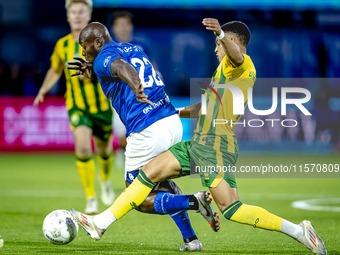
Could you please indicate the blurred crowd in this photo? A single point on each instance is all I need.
(283, 43)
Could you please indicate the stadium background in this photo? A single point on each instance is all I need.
(292, 39)
(289, 39)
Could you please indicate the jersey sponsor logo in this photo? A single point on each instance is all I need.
(156, 104)
(106, 61)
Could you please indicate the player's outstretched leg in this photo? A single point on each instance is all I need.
(130, 199)
(137, 192)
(159, 169)
(232, 209)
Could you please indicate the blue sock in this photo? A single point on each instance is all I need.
(166, 203)
(182, 221)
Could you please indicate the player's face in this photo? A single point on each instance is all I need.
(78, 16)
(219, 50)
(122, 29)
(89, 51)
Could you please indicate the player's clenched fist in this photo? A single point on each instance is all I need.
(213, 25)
(82, 66)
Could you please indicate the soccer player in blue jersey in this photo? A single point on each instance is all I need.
(152, 125)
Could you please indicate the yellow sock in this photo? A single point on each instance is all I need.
(105, 165)
(252, 215)
(86, 169)
(132, 196)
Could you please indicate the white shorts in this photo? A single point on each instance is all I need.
(145, 145)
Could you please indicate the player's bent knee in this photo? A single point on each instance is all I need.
(164, 166)
(83, 150)
(104, 149)
(104, 152)
(224, 205)
(169, 186)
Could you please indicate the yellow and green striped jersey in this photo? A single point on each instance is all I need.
(206, 132)
(80, 93)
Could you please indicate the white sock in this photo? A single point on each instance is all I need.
(104, 219)
(291, 229)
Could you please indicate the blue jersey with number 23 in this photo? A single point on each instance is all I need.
(135, 116)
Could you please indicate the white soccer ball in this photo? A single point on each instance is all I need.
(59, 227)
(1, 242)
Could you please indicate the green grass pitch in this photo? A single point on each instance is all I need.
(33, 185)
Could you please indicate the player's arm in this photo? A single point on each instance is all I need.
(231, 49)
(50, 80)
(190, 112)
(123, 70)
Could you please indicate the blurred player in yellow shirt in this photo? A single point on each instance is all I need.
(89, 111)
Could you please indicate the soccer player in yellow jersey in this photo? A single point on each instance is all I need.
(212, 145)
(90, 113)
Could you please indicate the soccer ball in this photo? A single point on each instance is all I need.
(59, 227)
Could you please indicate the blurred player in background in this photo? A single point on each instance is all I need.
(211, 145)
(90, 113)
(122, 30)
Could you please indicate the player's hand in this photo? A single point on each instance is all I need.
(141, 97)
(38, 99)
(82, 66)
(213, 25)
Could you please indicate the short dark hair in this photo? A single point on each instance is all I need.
(240, 29)
(121, 14)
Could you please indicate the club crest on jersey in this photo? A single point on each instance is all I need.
(106, 61)
(75, 118)
(209, 93)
